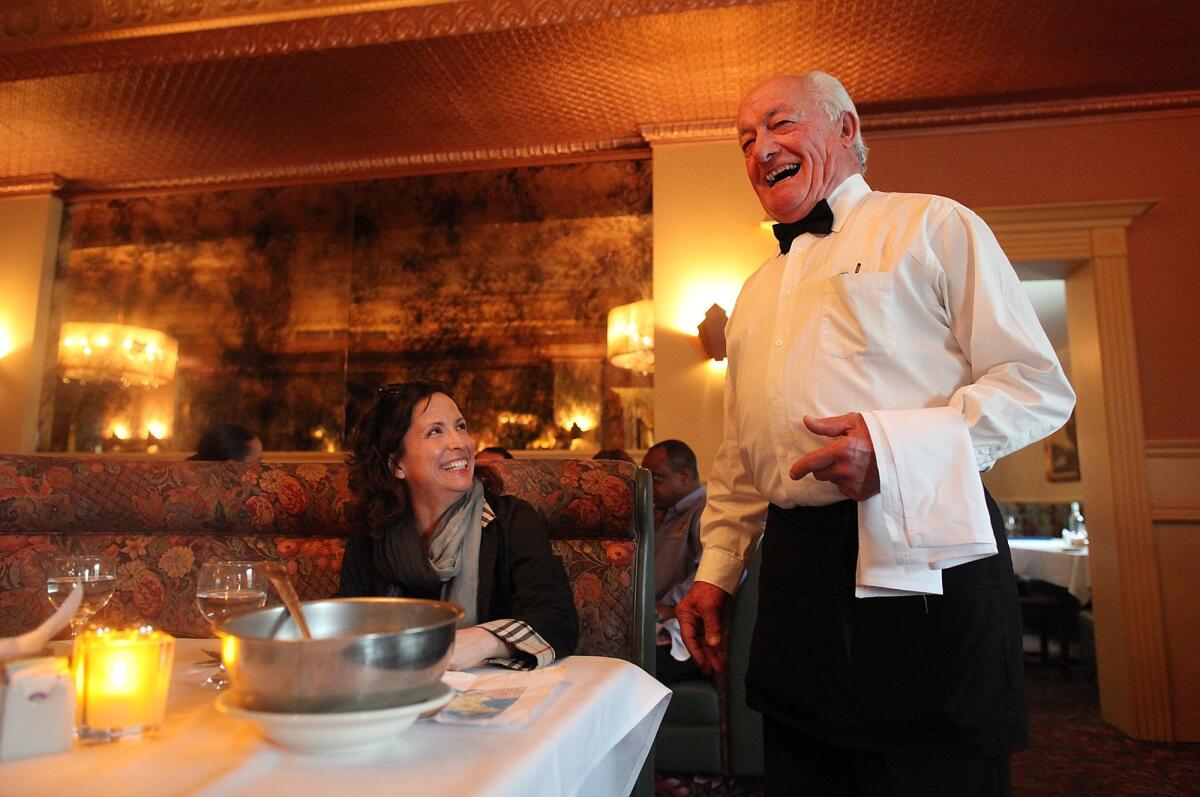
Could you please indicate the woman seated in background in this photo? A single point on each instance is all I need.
(226, 442)
(429, 528)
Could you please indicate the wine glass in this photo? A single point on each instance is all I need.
(97, 575)
(227, 589)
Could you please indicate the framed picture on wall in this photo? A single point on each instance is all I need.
(1062, 454)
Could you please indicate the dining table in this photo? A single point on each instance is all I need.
(1053, 560)
(591, 736)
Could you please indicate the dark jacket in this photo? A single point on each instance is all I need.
(520, 578)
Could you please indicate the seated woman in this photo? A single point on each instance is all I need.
(430, 528)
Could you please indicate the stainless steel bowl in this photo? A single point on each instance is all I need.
(366, 653)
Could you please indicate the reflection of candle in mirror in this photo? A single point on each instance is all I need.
(121, 681)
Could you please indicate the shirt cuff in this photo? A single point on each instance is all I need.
(720, 568)
(520, 634)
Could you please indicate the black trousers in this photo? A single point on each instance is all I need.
(934, 676)
(798, 764)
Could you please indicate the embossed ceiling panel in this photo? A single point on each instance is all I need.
(493, 88)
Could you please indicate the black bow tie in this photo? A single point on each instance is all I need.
(818, 220)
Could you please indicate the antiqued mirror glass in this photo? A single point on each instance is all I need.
(290, 305)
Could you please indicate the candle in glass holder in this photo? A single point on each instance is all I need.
(121, 681)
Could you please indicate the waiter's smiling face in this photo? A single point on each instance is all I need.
(795, 154)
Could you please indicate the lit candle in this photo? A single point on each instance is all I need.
(121, 681)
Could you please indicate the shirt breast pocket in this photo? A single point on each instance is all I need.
(856, 315)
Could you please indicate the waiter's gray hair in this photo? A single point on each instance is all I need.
(833, 98)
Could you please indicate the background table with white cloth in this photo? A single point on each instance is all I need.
(590, 738)
(1053, 561)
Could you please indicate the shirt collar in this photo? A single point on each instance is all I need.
(846, 197)
(689, 500)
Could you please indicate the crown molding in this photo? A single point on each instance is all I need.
(688, 132)
(33, 184)
(373, 168)
(1033, 111)
(997, 115)
(99, 35)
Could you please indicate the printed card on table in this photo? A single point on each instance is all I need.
(502, 698)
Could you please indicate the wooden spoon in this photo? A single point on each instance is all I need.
(277, 574)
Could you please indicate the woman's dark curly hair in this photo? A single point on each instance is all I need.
(378, 437)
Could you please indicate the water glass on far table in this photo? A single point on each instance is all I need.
(97, 575)
(227, 589)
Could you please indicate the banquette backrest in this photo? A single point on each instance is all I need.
(162, 519)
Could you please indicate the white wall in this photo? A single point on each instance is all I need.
(28, 247)
(708, 237)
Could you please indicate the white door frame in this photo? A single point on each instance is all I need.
(1130, 641)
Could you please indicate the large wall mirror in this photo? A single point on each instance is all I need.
(289, 306)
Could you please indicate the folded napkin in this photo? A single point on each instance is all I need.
(930, 513)
(32, 642)
(669, 629)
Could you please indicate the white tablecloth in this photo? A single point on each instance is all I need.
(591, 739)
(1053, 561)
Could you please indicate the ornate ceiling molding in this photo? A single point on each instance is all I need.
(718, 130)
(688, 132)
(374, 168)
(31, 184)
(1032, 111)
(97, 35)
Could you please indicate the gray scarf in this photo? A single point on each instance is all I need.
(451, 558)
(454, 553)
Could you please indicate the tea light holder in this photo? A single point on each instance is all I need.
(121, 682)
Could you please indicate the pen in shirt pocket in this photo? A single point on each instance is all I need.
(857, 268)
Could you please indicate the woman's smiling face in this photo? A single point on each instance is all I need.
(438, 463)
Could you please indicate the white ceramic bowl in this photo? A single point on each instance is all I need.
(333, 733)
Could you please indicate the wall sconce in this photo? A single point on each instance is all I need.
(116, 353)
(7, 344)
(712, 332)
(631, 336)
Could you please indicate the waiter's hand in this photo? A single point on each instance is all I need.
(699, 615)
(848, 462)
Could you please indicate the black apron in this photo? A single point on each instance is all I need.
(922, 674)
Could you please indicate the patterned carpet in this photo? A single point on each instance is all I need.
(1072, 752)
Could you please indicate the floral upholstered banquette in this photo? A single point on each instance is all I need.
(162, 519)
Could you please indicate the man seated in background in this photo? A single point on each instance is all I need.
(679, 498)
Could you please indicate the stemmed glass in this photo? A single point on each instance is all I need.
(227, 589)
(97, 575)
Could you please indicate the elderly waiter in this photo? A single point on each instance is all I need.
(883, 359)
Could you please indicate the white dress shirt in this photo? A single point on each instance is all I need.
(908, 304)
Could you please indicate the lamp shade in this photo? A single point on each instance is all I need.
(631, 336)
(116, 352)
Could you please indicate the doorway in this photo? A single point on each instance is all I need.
(1087, 240)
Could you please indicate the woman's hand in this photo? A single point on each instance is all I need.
(473, 645)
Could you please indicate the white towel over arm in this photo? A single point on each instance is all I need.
(930, 513)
